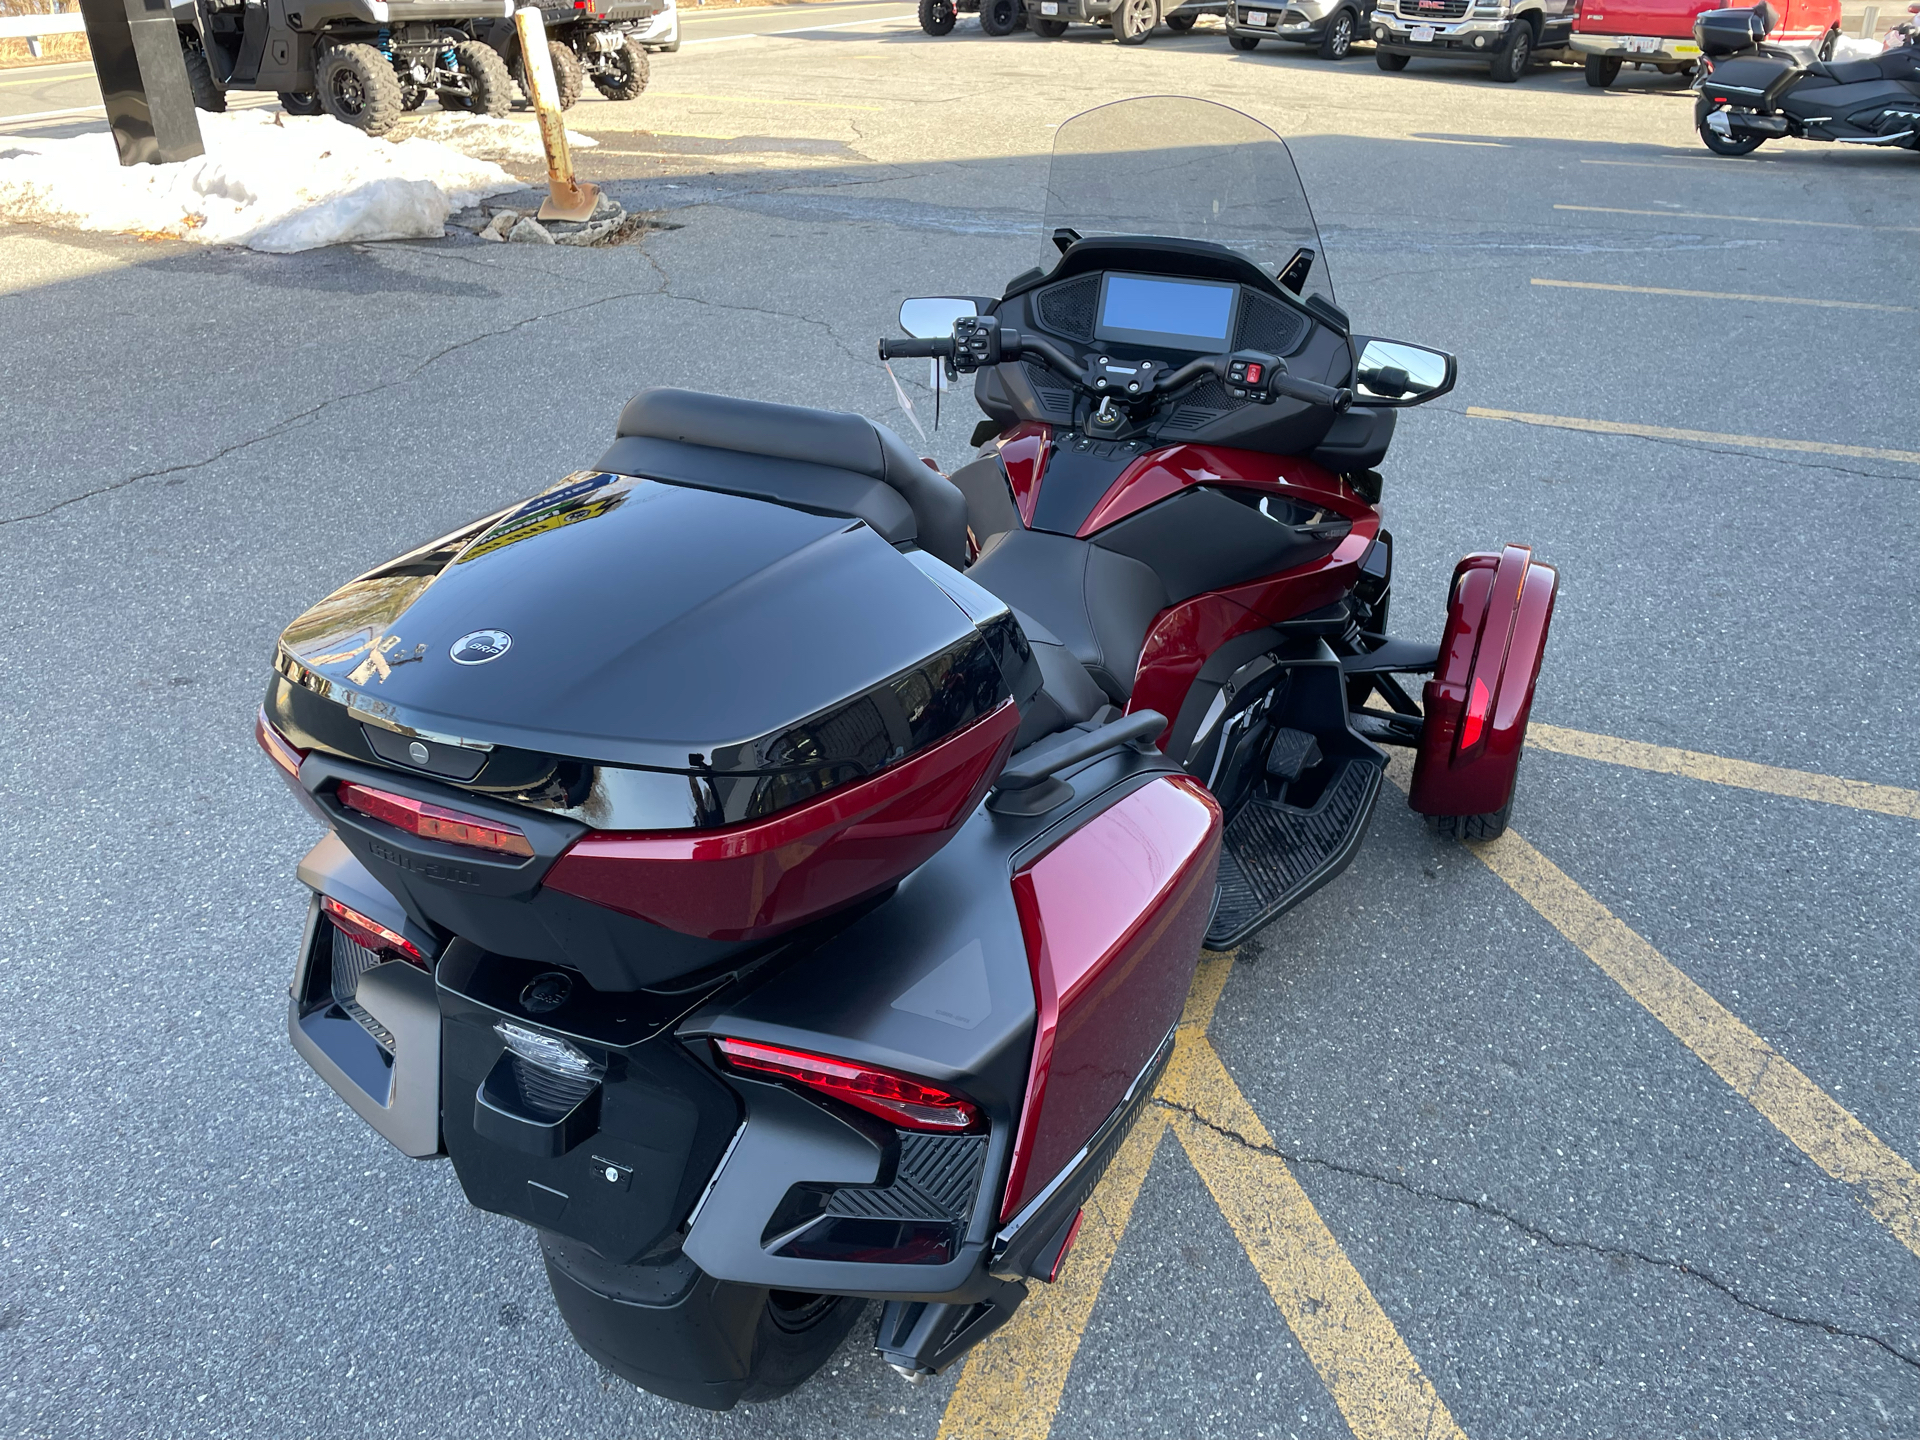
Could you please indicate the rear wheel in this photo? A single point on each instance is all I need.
(625, 75)
(1244, 42)
(1719, 144)
(1387, 60)
(567, 75)
(1601, 70)
(1336, 41)
(489, 84)
(1180, 24)
(937, 16)
(1050, 29)
(1134, 20)
(1515, 56)
(358, 87)
(207, 94)
(301, 102)
(1471, 827)
(999, 17)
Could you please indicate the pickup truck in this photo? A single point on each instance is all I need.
(1506, 36)
(1612, 33)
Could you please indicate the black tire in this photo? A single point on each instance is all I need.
(301, 102)
(1515, 56)
(1244, 42)
(1181, 24)
(207, 94)
(568, 77)
(1049, 29)
(1722, 144)
(1387, 60)
(357, 86)
(489, 83)
(937, 17)
(999, 17)
(1133, 21)
(682, 1334)
(1336, 39)
(1602, 70)
(412, 97)
(629, 74)
(1471, 827)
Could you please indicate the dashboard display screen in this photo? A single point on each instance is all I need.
(1183, 314)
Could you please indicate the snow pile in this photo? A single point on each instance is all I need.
(482, 137)
(268, 181)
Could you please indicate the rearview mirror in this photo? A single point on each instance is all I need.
(932, 317)
(1394, 373)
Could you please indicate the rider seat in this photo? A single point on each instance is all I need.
(1902, 63)
(826, 461)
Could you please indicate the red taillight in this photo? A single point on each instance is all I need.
(370, 933)
(1473, 724)
(434, 822)
(279, 749)
(912, 1104)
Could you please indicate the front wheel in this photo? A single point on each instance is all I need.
(568, 78)
(937, 17)
(207, 94)
(1134, 20)
(999, 17)
(301, 102)
(358, 87)
(625, 74)
(1336, 41)
(1602, 70)
(1387, 60)
(1244, 42)
(1180, 24)
(1515, 56)
(1744, 144)
(489, 83)
(1049, 29)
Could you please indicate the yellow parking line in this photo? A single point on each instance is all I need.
(1365, 1365)
(1719, 770)
(1824, 1130)
(1743, 219)
(1703, 437)
(1720, 295)
(761, 100)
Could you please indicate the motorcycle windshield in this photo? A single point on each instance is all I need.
(1190, 169)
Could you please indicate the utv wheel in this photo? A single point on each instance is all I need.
(301, 102)
(1601, 70)
(1049, 29)
(937, 17)
(1387, 60)
(412, 97)
(207, 94)
(1134, 20)
(626, 75)
(567, 74)
(357, 86)
(1180, 24)
(489, 84)
(1515, 56)
(1471, 827)
(1722, 144)
(1336, 41)
(998, 17)
(1244, 42)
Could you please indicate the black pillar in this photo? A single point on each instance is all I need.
(143, 79)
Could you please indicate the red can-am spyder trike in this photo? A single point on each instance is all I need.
(772, 869)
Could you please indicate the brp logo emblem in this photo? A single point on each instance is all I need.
(480, 647)
(546, 992)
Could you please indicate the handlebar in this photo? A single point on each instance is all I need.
(940, 349)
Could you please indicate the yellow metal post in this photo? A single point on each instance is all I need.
(567, 198)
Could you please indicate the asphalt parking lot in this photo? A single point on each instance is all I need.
(1605, 1129)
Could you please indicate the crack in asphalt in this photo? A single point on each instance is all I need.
(1483, 1206)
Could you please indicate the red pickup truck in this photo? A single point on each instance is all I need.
(1612, 33)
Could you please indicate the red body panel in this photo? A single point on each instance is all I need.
(1497, 622)
(765, 876)
(1023, 454)
(1113, 917)
(1801, 21)
(1155, 476)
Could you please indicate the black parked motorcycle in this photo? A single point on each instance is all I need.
(773, 870)
(1751, 92)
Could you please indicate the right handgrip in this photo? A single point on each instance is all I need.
(936, 349)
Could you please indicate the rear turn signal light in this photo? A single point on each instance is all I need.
(370, 933)
(910, 1104)
(279, 749)
(434, 822)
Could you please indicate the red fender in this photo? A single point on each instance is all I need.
(1482, 689)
